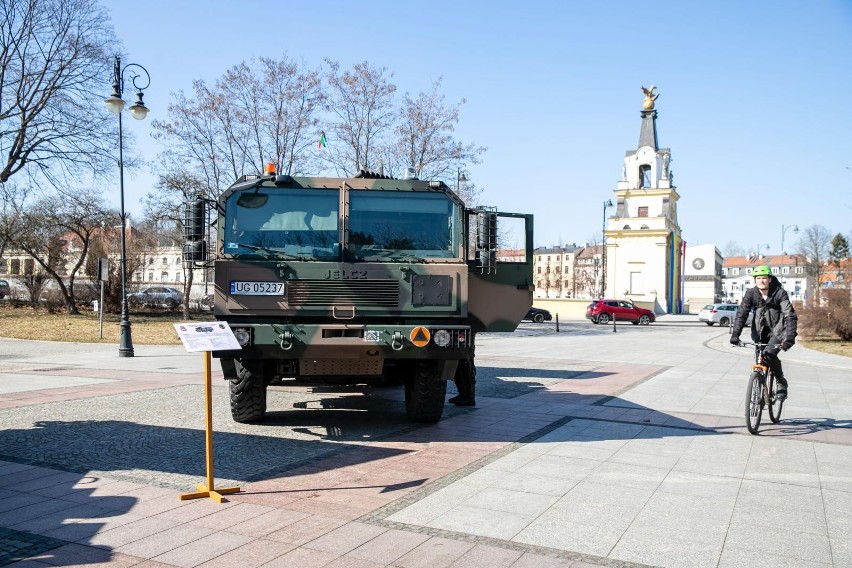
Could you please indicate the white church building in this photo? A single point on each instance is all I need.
(644, 249)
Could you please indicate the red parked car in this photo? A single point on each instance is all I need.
(603, 311)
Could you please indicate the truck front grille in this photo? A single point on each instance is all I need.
(359, 293)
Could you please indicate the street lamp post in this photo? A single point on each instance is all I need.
(607, 203)
(784, 229)
(139, 111)
(460, 177)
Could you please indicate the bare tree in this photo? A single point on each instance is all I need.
(107, 244)
(164, 212)
(425, 137)
(732, 249)
(362, 102)
(199, 139)
(261, 111)
(56, 232)
(815, 244)
(54, 57)
(276, 105)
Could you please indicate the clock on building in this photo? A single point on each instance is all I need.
(698, 263)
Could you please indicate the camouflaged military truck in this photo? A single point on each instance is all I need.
(357, 281)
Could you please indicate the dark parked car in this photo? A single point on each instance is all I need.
(604, 311)
(156, 296)
(4, 288)
(538, 315)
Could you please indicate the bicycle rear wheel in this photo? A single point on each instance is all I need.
(775, 405)
(754, 402)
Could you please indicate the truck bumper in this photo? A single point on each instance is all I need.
(327, 350)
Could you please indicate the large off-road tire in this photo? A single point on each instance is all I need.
(248, 390)
(425, 392)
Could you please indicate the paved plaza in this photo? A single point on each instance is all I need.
(586, 448)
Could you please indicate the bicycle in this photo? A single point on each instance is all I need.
(761, 391)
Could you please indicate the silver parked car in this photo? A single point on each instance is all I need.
(156, 296)
(723, 314)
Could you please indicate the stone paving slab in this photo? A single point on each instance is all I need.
(587, 448)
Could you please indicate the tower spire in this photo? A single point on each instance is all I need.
(648, 132)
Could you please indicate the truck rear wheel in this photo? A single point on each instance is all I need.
(248, 391)
(425, 392)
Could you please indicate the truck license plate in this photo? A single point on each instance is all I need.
(239, 288)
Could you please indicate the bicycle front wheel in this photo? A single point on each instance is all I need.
(754, 402)
(775, 405)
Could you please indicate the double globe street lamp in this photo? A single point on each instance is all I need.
(139, 111)
(784, 229)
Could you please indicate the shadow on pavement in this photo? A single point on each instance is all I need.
(46, 512)
(300, 428)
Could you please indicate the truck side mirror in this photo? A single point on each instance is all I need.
(194, 225)
(486, 239)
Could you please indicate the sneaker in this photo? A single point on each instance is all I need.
(781, 388)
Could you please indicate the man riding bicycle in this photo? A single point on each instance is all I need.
(774, 321)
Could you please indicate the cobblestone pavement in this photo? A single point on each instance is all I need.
(586, 448)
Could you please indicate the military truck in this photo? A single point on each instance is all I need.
(358, 280)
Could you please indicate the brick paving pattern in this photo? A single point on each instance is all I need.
(586, 448)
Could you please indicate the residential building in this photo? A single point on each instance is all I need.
(790, 269)
(588, 272)
(553, 271)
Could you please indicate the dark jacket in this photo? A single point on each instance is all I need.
(775, 313)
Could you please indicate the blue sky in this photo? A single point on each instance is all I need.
(754, 96)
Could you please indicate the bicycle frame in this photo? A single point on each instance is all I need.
(755, 401)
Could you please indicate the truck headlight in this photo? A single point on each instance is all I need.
(441, 338)
(243, 336)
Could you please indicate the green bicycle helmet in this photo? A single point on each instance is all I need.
(761, 271)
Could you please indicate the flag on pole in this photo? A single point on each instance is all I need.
(321, 141)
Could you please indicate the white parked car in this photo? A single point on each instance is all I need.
(723, 314)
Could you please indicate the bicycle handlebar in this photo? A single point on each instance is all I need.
(750, 344)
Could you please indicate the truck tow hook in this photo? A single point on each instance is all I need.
(396, 342)
(286, 340)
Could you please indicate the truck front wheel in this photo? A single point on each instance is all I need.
(425, 392)
(248, 391)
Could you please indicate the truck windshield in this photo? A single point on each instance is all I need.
(289, 222)
(398, 226)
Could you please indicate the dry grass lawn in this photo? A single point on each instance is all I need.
(827, 345)
(147, 328)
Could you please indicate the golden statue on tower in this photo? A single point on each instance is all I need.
(650, 97)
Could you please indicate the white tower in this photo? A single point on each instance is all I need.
(644, 245)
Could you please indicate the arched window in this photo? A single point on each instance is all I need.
(626, 227)
(645, 175)
(644, 227)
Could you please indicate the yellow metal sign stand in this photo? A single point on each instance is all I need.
(207, 490)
